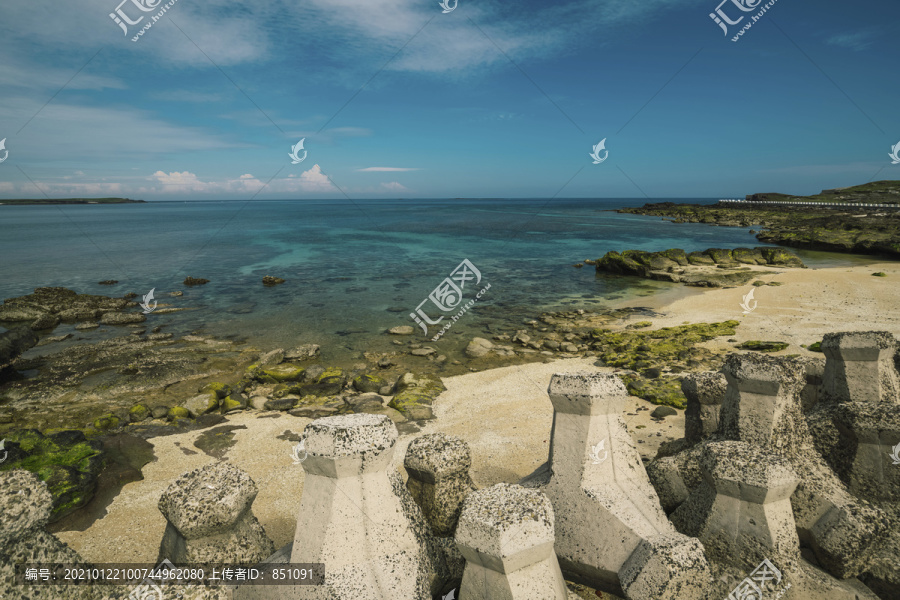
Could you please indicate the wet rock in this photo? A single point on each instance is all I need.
(86, 326)
(195, 281)
(661, 412)
(270, 359)
(285, 403)
(14, 342)
(478, 347)
(112, 318)
(402, 330)
(304, 352)
(270, 281)
(368, 383)
(44, 322)
(202, 404)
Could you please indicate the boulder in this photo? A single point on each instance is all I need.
(478, 347)
(14, 342)
(402, 330)
(304, 352)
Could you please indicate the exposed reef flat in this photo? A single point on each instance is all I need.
(852, 229)
(715, 267)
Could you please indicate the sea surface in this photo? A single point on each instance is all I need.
(353, 269)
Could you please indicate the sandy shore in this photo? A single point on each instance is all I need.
(808, 304)
(504, 414)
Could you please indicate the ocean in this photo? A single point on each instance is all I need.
(352, 269)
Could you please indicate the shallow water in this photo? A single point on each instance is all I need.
(353, 269)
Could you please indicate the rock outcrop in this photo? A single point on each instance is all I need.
(714, 267)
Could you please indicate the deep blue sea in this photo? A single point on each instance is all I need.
(346, 263)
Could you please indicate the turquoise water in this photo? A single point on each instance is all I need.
(346, 263)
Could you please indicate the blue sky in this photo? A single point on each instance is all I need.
(396, 99)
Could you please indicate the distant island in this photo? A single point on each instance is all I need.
(71, 201)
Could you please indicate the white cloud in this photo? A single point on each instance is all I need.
(394, 186)
(315, 181)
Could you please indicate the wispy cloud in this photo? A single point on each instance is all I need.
(859, 40)
(385, 169)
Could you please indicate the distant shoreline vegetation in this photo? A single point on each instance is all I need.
(72, 201)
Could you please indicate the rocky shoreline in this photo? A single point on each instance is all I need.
(714, 267)
(847, 229)
(58, 416)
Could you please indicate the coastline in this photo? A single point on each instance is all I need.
(503, 413)
(808, 304)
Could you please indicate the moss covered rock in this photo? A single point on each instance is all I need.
(780, 256)
(138, 412)
(748, 256)
(663, 391)
(332, 375)
(234, 402)
(759, 346)
(368, 383)
(700, 259)
(665, 346)
(178, 412)
(106, 422)
(219, 389)
(720, 256)
(281, 373)
(414, 394)
(66, 461)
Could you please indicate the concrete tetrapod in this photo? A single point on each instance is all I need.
(859, 367)
(210, 520)
(355, 518)
(611, 531)
(505, 533)
(762, 407)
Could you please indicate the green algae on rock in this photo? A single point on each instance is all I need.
(695, 268)
(834, 229)
(759, 346)
(66, 461)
